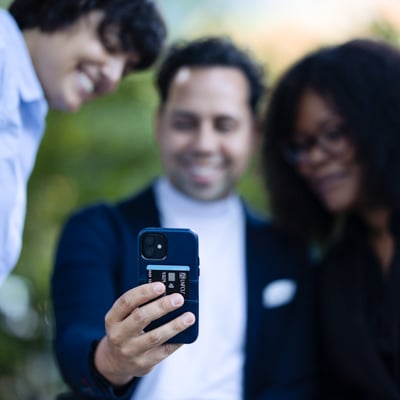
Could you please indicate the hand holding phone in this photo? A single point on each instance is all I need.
(125, 352)
(170, 256)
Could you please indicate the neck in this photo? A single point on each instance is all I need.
(32, 37)
(377, 221)
(379, 236)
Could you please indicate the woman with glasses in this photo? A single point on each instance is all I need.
(332, 167)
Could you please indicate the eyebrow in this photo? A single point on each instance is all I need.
(324, 124)
(328, 123)
(183, 113)
(190, 114)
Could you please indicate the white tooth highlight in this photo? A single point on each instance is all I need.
(203, 170)
(86, 82)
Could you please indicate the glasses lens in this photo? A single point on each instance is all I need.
(333, 142)
(295, 152)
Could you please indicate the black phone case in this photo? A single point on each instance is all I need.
(182, 252)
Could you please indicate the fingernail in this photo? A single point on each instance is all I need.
(188, 319)
(159, 288)
(176, 300)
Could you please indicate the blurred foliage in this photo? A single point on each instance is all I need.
(4, 3)
(385, 30)
(104, 152)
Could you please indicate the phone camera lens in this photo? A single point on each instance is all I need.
(154, 246)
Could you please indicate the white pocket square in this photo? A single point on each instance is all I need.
(279, 293)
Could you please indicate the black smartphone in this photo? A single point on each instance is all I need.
(171, 256)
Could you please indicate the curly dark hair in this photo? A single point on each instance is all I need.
(211, 52)
(360, 79)
(142, 28)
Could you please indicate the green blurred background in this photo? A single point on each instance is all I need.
(106, 151)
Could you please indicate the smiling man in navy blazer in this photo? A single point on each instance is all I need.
(256, 296)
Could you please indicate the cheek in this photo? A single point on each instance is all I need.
(238, 148)
(356, 185)
(174, 144)
(343, 194)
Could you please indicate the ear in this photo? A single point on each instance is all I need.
(157, 124)
(257, 133)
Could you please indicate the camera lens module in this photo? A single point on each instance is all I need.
(154, 245)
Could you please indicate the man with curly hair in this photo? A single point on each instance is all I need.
(59, 54)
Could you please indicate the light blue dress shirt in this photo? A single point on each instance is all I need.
(23, 110)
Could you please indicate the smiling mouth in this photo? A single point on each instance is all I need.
(327, 183)
(86, 83)
(203, 173)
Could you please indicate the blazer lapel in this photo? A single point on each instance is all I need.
(265, 263)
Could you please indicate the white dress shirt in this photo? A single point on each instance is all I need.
(211, 367)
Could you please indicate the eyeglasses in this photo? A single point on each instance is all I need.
(335, 142)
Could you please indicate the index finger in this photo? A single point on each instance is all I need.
(132, 299)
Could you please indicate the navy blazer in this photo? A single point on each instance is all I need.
(96, 263)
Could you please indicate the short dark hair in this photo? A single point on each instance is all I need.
(211, 52)
(142, 28)
(360, 79)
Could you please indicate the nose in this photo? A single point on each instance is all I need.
(316, 155)
(111, 72)
(206, 139)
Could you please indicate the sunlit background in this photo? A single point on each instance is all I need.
(106, 151)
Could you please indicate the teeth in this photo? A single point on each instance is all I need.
(86, 82)
(203, 170)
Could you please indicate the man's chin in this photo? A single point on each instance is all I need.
(207, 194)
(66, 104)
(70, 107)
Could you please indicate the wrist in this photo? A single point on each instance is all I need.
(107, 367)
